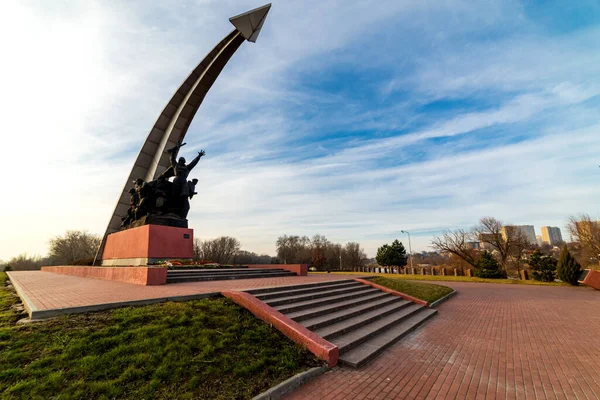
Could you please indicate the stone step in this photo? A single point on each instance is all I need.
(201, 278)
(361, 313)
(183, 267)
(303, 305)
(302, 290)
(184, 270)
(376, 299)
(331, 331)
(360, 335)
(294, 298)
(369, 349)
(223, 272)
(254, 292)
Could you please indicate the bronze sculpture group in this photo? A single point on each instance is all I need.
(169, 201)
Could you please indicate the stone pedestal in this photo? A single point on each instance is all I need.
(148, 244)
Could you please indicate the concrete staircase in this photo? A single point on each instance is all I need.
(199, 275)
(361, 320)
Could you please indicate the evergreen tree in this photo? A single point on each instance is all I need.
(543, 267)
(568, 269)
(391, 255)
(487, 266)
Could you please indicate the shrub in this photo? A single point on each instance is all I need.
(487, 267)
(543, 267)
(84, 261)
(568, 269)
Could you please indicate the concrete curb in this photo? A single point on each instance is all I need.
(27, 303)
(443, 299)
(291, 384)
(36, 314)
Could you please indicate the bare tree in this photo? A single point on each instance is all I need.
(506, 240)
(318, 247)
(353, 255)
(24, 263)
(457, 243)
(586, 233)
(73, 246)
(247, 257)
(293, 249)
(518, 244)
(332, 255)
(220, 250)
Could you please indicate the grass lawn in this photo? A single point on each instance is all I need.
(204, 349)
(450, 278)
(423, 291)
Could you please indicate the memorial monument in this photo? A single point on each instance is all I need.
(150, 219)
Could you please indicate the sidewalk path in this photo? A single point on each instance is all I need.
(490, 341)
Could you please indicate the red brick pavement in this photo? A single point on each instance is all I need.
(50, 291)
(487, 342)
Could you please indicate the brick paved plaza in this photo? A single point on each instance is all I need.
(489, 341)
(47, 291)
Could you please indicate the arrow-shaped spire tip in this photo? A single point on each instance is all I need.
(250, 23)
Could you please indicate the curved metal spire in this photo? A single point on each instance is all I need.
(174, 120)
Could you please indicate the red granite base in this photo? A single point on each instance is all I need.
(145, 244)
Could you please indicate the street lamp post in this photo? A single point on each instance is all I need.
(409, 249)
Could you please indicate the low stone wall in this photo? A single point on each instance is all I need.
(592, 279)
(299, 269)
(137, 275)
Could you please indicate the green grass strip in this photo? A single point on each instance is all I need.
(423, 291)
(204, 349)
(450, 278)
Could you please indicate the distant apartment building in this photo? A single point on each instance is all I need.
(473, 245)
(551, 235)
(485, 240)
(539, 240)
(528, 232)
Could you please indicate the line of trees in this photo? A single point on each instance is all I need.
(221, 250)
(72, 248)
(319, 252)
(506, 247)
(227, 250)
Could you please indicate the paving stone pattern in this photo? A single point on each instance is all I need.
(50, 291)
(487, 342)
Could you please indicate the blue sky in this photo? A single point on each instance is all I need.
(349, 119)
